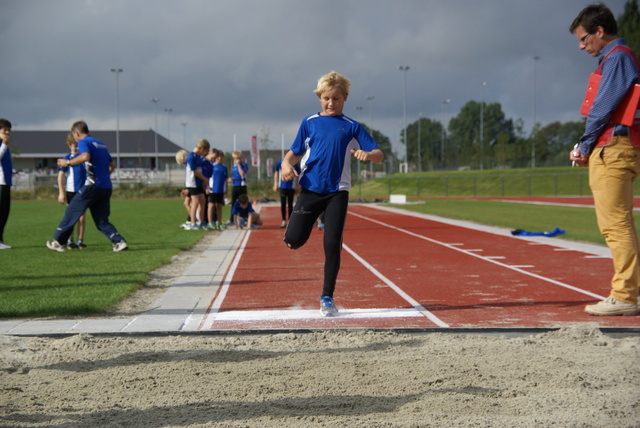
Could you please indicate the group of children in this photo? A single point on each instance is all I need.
(319, 159)
(206, 186)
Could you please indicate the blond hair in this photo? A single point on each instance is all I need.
(181, 156)
(333, 80)
(203, 144)
(236, 154)
(70, 140)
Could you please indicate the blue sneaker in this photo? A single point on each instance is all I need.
(327, 308)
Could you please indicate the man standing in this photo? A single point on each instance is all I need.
(6, 173)
(94, 195)
(612, 153)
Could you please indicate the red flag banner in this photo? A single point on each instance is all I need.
(254, 151)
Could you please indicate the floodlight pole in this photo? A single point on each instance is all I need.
(404, 69)
(117, 71)
(533, 128)
(155, 130)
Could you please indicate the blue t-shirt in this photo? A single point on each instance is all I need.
(285, 184)
(242, 212)
(97, 168)
(194, 163)
(236, 177)
(6, 168)
(76, 175)
(219, 177)
(207, 168)
(324, 142)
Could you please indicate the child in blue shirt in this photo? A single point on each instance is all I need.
(70, 180)
(217, 189)
(6, 174)
(95, 194)
(194, 183)
(287, 190)
(323, 147)
(244, 214)
(238, 178)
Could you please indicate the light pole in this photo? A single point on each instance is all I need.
(358, 109)
(184, 134)
(155, 130)
(444, 113)
(404, 69)
(533, 140)
(370, 99)
(484, 85)
(168, 110)
(419, 142)
(117, 71)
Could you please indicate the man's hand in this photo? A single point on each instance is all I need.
(577, 158)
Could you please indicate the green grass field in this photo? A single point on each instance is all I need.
(38, 282)
(578, 223)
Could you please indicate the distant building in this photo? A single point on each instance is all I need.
(38, 150)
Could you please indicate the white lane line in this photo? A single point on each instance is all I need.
(210, 316)
(417, 306)
(214, 314)
(524, 272)
(304, 314)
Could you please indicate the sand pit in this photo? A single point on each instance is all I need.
(572, 377)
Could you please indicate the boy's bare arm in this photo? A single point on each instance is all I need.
(375, 155)
(288, 171)
(241, 171)
(276, 180)
(200, 176)
(61, 191)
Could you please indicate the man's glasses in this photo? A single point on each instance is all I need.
(583, 39)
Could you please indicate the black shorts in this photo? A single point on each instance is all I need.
(216, 198)
(70, 196)
(195, 191)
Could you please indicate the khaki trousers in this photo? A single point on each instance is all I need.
(612, 171)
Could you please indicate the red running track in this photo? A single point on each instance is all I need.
(407, 271)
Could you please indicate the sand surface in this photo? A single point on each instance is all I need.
(572, 377)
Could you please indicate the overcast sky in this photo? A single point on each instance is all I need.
(245, 67)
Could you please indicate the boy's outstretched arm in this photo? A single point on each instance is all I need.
(375, 155)
(288, 171)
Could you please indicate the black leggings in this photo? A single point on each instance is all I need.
(5, 205)
(308, 207)
(286, 197)
(236, 191)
